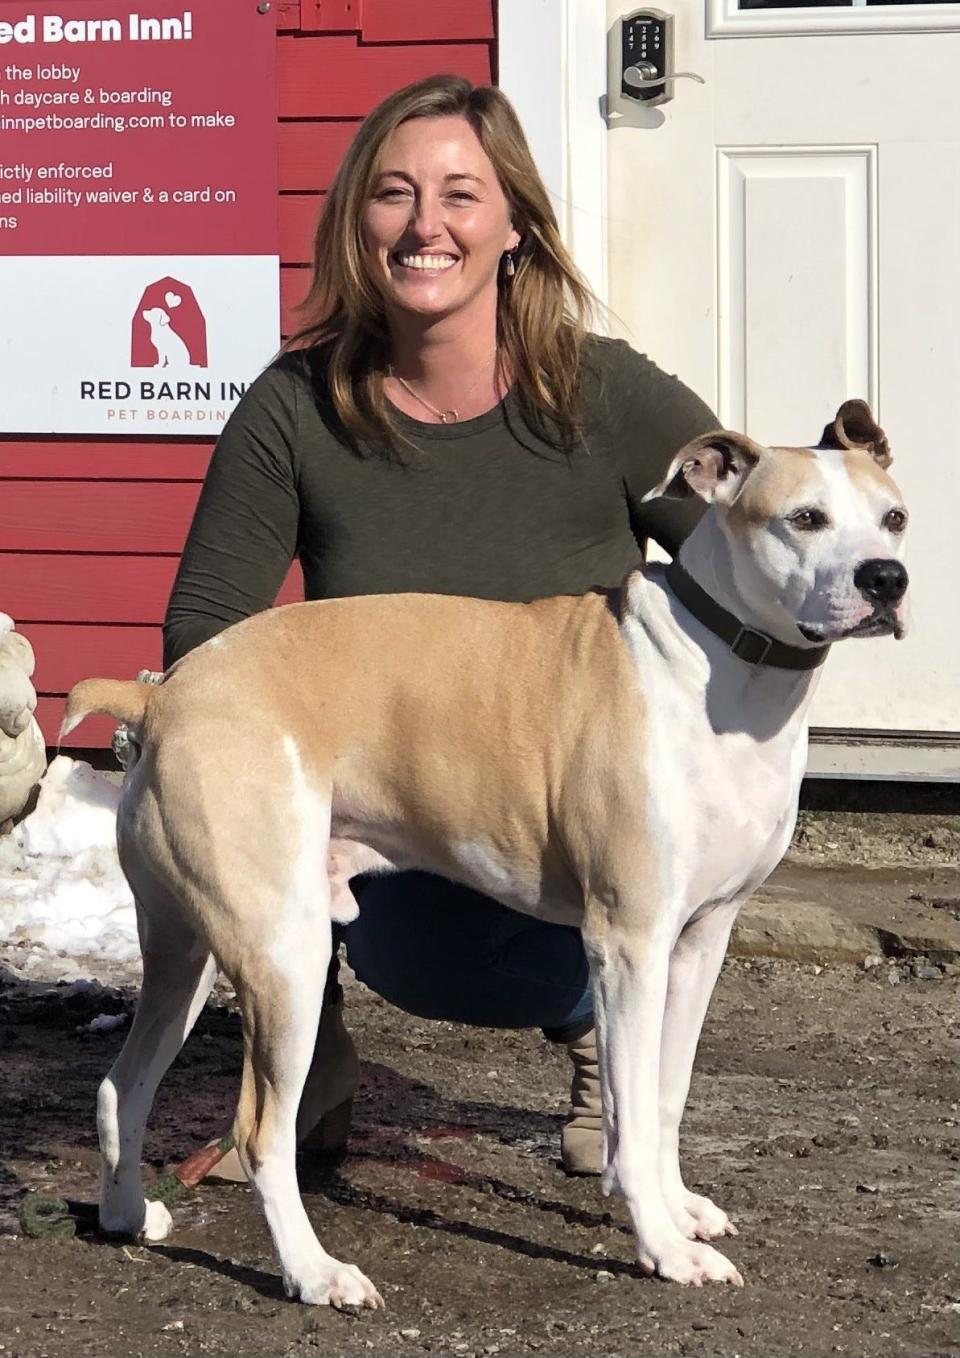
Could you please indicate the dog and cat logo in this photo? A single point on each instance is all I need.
(169, 329)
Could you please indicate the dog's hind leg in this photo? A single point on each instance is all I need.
(178, 974)
(694, 967)
(279, 985)
(629, 950)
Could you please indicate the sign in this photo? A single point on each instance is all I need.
(139, 245)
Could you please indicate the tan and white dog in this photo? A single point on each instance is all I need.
(605, 761)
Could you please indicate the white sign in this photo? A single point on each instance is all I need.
(135, 345)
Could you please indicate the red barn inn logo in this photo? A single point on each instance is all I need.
(169, 330)
(169, 353)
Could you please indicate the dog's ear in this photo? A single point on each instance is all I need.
(855, 427)
(714, 466)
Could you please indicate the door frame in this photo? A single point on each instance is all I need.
(557, 97)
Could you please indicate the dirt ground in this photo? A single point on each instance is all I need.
(823, 1117)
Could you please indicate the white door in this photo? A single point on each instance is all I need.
(784, 236)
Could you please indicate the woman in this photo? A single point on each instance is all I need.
(443, 423)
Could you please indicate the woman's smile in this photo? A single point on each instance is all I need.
(423, 262)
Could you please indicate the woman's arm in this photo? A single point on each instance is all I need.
(653, 415)
(244, 531)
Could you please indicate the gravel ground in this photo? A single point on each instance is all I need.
(823, 1117)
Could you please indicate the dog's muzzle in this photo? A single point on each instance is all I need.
(882, 580)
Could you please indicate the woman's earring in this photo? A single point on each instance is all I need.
(510, 268)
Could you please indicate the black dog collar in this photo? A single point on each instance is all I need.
(749, 645)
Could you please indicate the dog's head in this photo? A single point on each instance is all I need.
(155, 315)
(813, 536)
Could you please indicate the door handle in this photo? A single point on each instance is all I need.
(643, 76)
(646, 57)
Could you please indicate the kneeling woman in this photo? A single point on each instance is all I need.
(443, 423)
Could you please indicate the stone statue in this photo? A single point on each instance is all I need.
(23, 757)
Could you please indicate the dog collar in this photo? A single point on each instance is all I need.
(747, 644)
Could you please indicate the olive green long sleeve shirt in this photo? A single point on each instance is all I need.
(489, 509)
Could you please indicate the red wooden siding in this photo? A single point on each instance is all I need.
(310, 154)
(58, 586)
(414, 21)
(329, 16)
(298, 223)
(91, 529)
(63, 460)
(140, 517)
(67, 587)
(353, 78)
(62, 648)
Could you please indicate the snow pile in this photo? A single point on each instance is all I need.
(61, 887)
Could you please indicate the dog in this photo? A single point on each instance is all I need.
(626, 761)
(172, 351)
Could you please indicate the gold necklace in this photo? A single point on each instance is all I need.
(444, 416)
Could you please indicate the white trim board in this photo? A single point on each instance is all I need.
(893, 756)
(552, 59)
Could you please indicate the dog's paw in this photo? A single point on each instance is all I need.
(708, 1220)
(334, 1284)
(152, 1223)
(157, 1224)
(690, 1264)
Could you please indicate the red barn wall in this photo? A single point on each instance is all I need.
(91, 530)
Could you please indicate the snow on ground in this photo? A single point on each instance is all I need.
(61, 887)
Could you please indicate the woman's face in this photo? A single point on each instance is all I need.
(437, 222)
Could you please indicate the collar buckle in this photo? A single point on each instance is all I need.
(751, 646)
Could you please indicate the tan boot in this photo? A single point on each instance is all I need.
(323, 1119)
(326, 1104)
(581, 1142)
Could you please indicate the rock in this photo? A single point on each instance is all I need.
(103, 1023)
(883, 1259)
(871, 961)
(816, 915)
(923, 971)
(937, 938)
(802, 931)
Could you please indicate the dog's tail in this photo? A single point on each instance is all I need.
(125, 699)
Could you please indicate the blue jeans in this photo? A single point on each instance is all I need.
(441, 951)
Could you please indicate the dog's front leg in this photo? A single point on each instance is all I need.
(694, 967)
(630, 967)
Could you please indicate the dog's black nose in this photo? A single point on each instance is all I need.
(881, 580)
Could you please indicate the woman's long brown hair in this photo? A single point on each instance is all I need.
(543, 310)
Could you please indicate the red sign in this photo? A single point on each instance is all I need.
(138, 210)
(142, 129)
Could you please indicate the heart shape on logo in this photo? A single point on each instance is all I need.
(172, 298)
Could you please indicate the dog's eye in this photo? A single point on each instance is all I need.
(809, 519)
(895, 520)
